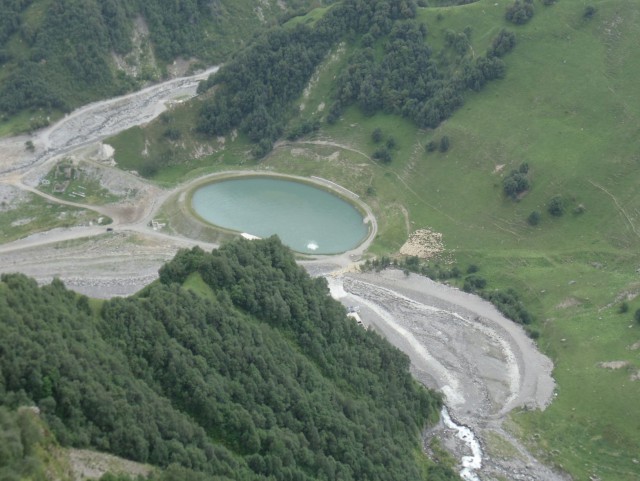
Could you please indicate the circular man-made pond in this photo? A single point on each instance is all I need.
(308, 219)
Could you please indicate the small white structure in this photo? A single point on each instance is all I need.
(157, 225)
(249, 236)
(354, 315)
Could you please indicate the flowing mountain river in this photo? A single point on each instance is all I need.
(484, 364)
(459, 344)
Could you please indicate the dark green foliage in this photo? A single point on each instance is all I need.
(520, 12)
(624, 307)
(444, 143)
(64, 58)
(472, 269)
(268, 381)
(377, 265)
(172, 133)
(517, 181)
(477, 73)
(459, 42)
(508, 303)
(20, 436)
(502, 44)
(431, 146)
(405, 81)
(68, 61)
(391, 143)
(636, 316)
(473, 283)
(257, 88)
(376, 135)
(548, 2)
(383, 155)
(302, 129)
(556, 206)
(432, 270)
(534, 218)
(589, 12)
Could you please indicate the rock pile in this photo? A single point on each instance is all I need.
(423, 243)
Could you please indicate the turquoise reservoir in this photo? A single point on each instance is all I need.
(307, 219)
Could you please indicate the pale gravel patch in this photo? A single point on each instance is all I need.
(613, 365)
(423, 243)
(87, 464)
(12, 197)
(568, 302)
(461, 345)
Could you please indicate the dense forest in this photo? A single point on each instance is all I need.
(257, 89)
(260, 375)
(58, 55)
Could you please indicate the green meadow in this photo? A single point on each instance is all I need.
(568, 107)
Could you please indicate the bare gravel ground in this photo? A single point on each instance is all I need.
(100, 266)
(94, 122)
(459, 344)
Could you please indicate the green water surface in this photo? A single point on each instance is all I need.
(307, 219)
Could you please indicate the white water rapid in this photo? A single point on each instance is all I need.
(470, 464)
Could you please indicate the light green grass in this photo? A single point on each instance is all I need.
(24, 121)
(81, 188)
(35, 214)
(567, 108)
(196, 284)
(309, 19)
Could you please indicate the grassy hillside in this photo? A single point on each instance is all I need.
(568, 108)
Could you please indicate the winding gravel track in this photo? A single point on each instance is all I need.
(94, 122)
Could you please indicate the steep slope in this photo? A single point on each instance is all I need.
(259, 376)
(55, 56)
(567, 114)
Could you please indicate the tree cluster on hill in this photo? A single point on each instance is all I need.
(256, 90)
(57, 55)
(264, 379)
(20, 439)
(517, 181)
(520, 12)
(257, 87)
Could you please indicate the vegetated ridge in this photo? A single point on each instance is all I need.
(533, 182)
(55, 56)
(252, 373)
(391, 69)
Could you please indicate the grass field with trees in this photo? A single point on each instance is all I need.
(568, 108)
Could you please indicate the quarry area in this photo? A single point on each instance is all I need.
(485, 365)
